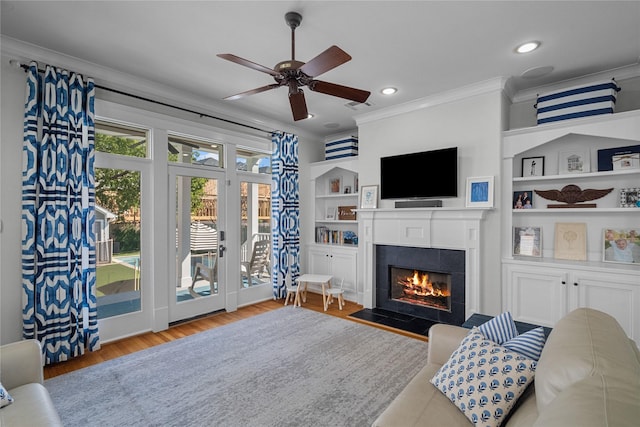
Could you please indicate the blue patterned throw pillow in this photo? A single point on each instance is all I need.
(529, 344)
(5, 398)
(500, 329)
(484, 379)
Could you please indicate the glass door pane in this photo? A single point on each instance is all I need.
(117, 230)
(198, 223)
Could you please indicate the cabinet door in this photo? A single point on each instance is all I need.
(344, 266)
(319, 261)
(536, 296)
(615, 294)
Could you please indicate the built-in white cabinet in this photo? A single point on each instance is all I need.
(334, 237)
(543, 293)
(339, 262)
(541, 289)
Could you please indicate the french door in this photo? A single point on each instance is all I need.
(197, 261)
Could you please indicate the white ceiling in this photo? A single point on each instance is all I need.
(420, 47)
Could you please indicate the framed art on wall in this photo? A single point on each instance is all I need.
(533, 166)
(369, 197)
(480, 192)
(527, 241)
(621, 245)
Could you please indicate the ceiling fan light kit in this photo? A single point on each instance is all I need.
(296, 74)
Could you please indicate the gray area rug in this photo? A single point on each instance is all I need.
(287, 367)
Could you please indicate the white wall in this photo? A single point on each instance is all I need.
(474, 125)
(12, 84)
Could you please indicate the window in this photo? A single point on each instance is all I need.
(248, 160)
(122, 140)
(196, 152)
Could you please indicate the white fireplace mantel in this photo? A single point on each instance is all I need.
(443, 228)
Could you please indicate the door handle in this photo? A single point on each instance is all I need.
(221, 250)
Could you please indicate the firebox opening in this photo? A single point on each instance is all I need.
(423, 288)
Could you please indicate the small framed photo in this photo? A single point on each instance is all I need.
(630, 197)
(527, 241)
(571, 241)
(533, 166)
(574, 162)
(331, 213)
(522, 199)
(369, 197)
(621, 245)
(626, 161)
(347, 189)
(334, 185)
(480, 192)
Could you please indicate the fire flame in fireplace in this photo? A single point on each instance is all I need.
(420, 285)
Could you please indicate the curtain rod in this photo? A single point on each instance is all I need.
(153, 101)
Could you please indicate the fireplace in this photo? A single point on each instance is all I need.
(426, 288)
(427, 283)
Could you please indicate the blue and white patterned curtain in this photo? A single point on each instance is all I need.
(285, 211)
(58, 213)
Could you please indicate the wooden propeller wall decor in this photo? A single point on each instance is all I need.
(296, 74)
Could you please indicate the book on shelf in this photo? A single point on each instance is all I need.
(328, 236)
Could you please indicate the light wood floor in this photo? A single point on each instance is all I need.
(146, 340)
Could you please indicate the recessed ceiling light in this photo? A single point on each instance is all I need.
(389, 90)
(528, 47)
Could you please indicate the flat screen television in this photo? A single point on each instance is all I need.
(428, 174)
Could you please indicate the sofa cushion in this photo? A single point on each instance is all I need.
(32, 406)
(5, 397)
(500, 329)
(584, 343)
(484, 379)
(594, 402)
(529, 344)
(421, 404)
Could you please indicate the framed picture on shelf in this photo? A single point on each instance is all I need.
(347, 189)
(630, 197)
(533, 166)
(571, 241)
(331, 213)
(369, 197)
(527, 241)
(621, 245)
(522, 199)
(346, 213)
(334, 185)
(480, 192)
(626, 161)
(606, 155)
(574, 162)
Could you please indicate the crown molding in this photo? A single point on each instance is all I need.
(487, 86)
(621, 73)
(26, 52)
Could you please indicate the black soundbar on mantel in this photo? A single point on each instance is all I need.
(419, 204)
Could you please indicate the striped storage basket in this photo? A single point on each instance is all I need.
(341, 148)
(578, 101)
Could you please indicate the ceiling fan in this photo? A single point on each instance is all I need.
(295, 74)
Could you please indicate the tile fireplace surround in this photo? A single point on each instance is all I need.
(443, 228)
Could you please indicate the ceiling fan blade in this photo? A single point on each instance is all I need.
(247, 63)
(327, 60)
(252, 92)
(339, 91)
(298, 106)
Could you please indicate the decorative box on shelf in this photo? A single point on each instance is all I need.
(342, 148)
(578, 101)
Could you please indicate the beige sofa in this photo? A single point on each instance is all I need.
(588, 375)
(21, 374)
